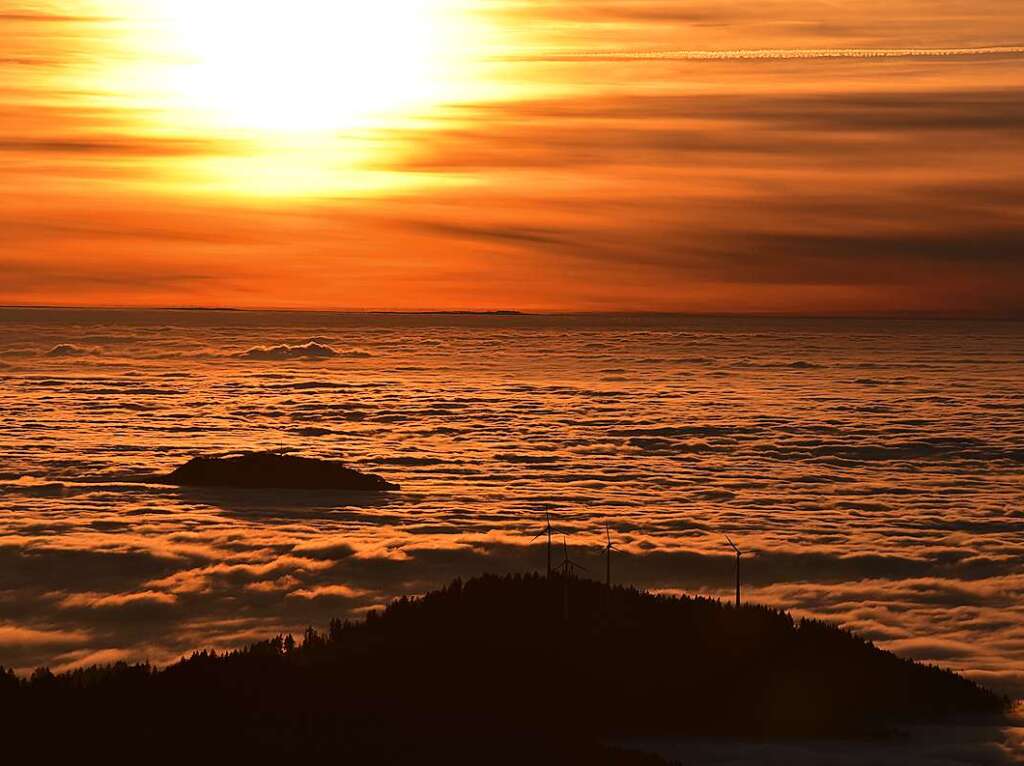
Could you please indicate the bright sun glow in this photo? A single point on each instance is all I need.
(297, 98)
(305, 65)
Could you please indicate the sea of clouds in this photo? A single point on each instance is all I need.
(873, 471)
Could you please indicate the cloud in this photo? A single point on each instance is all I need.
(69, 349)
(932, 649)
(117, 600)
(115, 146)
(954, 743)
(44, 17)
(15, 636)
(311, 350)
(342, 592)
(590, 130)
(773, 25)
(720, 189)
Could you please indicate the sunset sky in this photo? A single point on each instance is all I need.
(801, 156)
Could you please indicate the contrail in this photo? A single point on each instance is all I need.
(772, 54)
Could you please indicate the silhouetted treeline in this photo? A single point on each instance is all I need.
(490, 671)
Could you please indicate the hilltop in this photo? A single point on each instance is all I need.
(270, 470)
(489, 670)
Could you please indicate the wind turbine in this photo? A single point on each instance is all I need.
(566, 569)
(568, 565)
(608, 548)
(739, 553)
(548, 529)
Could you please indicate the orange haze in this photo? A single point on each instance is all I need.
(697, 155)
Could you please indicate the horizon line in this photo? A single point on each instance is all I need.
(1010, 316)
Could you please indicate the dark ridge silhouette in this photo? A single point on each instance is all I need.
(272, 470)
(493, 670)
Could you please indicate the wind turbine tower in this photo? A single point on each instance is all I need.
(565, 569)
(739, 553)
(608, 548)
(548, 529)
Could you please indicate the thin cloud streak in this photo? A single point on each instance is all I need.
(777, 54)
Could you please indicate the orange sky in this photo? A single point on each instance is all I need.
(698, 155)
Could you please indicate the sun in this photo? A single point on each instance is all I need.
(296, 99)
(303, 65)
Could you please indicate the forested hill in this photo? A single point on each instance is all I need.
(495, 668)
